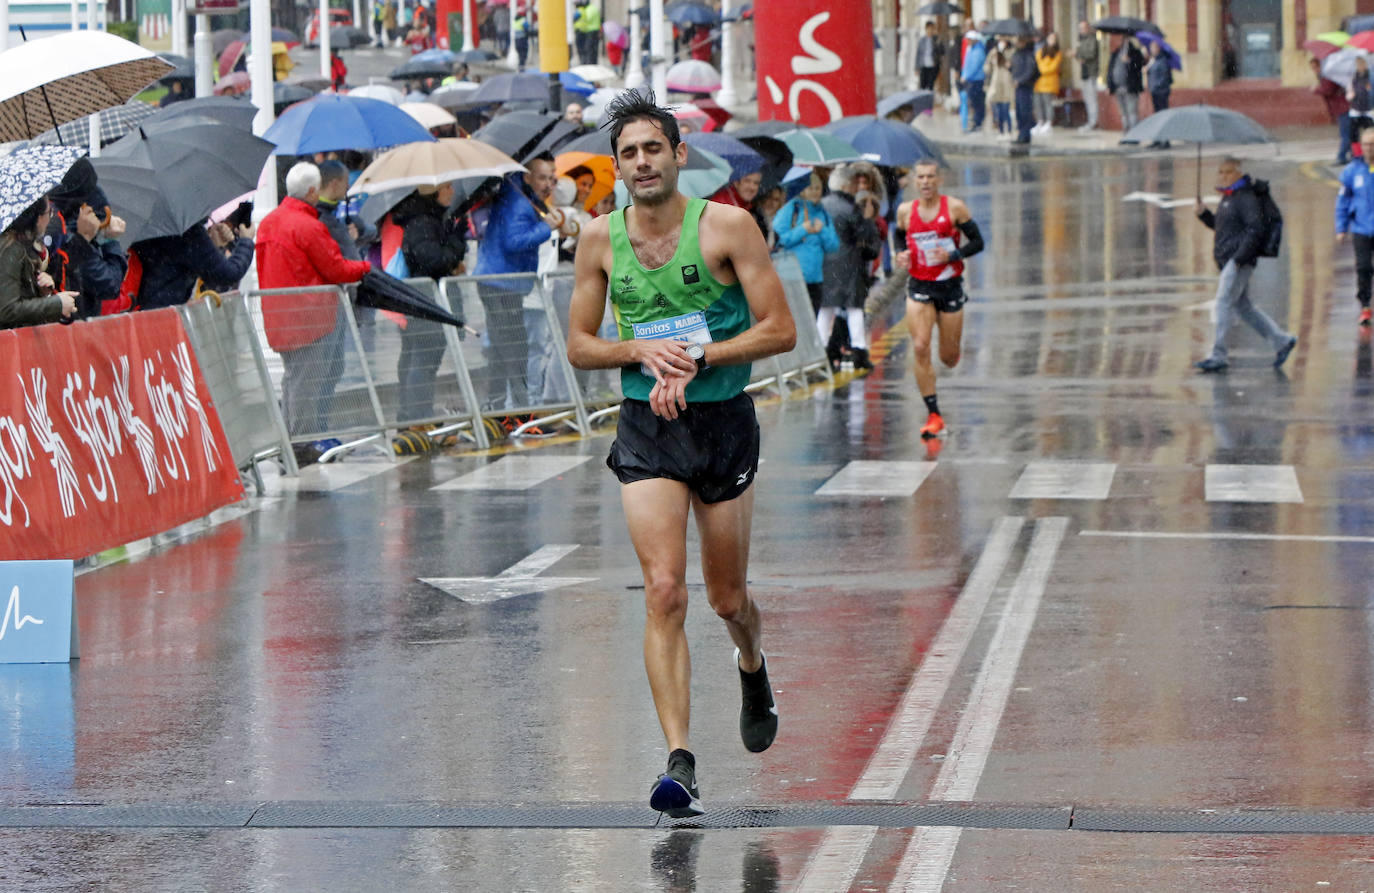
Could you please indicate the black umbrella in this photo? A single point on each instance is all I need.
(284, 95)
(558, 136)
(1126, 25)
(522, 87)
(163, 180)
(377, 289)
(346, 37)
(422, 68)
(762, 128)
(1198, 124)
(598, 142)
(1010, 28)
(474, 56)
(454, 96)
(185, 69)
(517, 133)
(940, 9)
(219, 109)
(777, 159)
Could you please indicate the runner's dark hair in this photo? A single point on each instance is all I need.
(639, 105)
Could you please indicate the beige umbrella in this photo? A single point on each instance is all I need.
(597, 74)
(49, 82)
(428, 114)
(432, 164)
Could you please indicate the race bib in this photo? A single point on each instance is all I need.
(927, 243)
(688, 327)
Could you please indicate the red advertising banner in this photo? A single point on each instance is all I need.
(817, 63)
(107, 435)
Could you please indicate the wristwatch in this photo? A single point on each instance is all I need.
(697, 354)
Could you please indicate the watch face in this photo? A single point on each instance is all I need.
(696, 351)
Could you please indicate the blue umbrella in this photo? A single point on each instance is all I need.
(687, 13)
(796, 180)
(331, 123)
(574, 83)
(742, 159)
(885, 142)
(919, 100)
(438, 54)
(1149, 37)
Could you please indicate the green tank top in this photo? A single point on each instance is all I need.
(680, 300)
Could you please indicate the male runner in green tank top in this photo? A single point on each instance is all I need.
(683, 277)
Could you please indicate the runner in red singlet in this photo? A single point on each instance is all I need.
(940, 234)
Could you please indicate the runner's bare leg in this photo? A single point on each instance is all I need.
(724, 528)
(920, 322)
(951, 337)
(656, 513)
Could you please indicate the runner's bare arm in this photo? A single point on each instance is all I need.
(733, 236)
(586, 349)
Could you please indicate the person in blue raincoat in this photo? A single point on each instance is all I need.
(804, 228)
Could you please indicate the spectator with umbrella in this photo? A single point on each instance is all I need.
(27, 296)
(433, 245)
(295, 249)
(84, 254)
(172, 266)
(1125, 80)
(1337, 107)
(1159, 77)
(804, 228)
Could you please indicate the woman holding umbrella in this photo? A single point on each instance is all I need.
(433, 244)
(26, 291)
(804, 228)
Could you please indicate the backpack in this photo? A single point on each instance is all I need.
(1273, 221)
(128, 289)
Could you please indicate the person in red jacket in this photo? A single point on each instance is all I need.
(295, 249)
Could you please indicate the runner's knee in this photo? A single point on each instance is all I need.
(950, 356)
(665, 595)
(729, 602)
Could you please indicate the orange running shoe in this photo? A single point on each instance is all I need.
(933, 426)
(1364, 316)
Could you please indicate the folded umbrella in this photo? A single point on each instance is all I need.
(331, 122)
(385, 292)
(432, 164)
(163, 179)
(518, 87)
(46, 83)
(1125, 25)
(114, 123)
(27, 174)
(743, 159)
(1198, 124)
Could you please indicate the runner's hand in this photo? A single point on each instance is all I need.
(903, 260)
(669, 396)
(939, 255)
(665, 358)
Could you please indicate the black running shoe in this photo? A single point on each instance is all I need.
(758, 715)
(674, 793)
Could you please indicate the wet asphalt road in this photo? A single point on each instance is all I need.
(1135, 624)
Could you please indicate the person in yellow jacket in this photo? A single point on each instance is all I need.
(1049, 60)
(588, 28)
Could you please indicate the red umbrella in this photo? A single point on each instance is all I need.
(230, 57)
(718, 113)
(1364, 41)
(1320, 48)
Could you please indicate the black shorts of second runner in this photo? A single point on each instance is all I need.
(946, 294)
(713, 447)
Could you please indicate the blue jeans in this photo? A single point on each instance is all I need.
(1343, 151)
(1001, 116)
(977, 103)
(1233, 300)
(1025, 118)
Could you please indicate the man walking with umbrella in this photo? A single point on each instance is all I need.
(1241, 232)
(684, 276)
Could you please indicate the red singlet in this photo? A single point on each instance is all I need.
(922, 238)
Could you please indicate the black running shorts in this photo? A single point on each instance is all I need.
(713, 447)
(946, 294)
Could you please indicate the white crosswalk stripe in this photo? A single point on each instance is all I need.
(1065, 480)
(873, 478)
(1252, 483)
(514, 473)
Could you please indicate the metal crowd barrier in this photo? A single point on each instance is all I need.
(375, 373)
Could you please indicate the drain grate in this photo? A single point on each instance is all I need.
(1224, 821)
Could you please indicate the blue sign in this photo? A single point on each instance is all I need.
(38, 625)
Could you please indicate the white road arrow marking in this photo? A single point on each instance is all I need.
(521, 578)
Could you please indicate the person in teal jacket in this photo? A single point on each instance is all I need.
(804, 228)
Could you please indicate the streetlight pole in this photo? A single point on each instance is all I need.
(727, 95)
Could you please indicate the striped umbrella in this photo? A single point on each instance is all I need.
(114, 123)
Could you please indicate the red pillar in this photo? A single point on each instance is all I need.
(816, 63)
